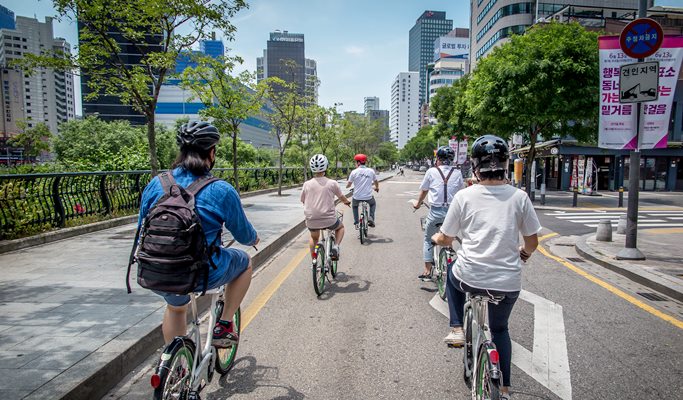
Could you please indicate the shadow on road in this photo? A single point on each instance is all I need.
(343, 284)
(247, 376)
(378, 239)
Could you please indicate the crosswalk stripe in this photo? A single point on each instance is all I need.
(583, 221)
(643, 225)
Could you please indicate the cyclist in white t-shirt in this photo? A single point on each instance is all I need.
(364, 180)
(489, 217)
(439, 186)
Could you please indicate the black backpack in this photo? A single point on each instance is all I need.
(172, 253)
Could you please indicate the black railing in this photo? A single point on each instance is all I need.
(33, 203)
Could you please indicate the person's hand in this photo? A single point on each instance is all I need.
(348, 204)
(523, 254)
(416, 204)
(257, 241)
(377, 189)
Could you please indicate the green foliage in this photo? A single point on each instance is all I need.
(34, 140)
(246, 154)
(450, 110)
(421, 146)
(387, 153)
(93, 144)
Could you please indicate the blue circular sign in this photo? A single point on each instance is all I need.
(641, 38)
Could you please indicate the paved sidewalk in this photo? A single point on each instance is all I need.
(662, 270)
(68, 329)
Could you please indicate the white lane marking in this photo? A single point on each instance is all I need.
(677, 218)
(591, 216)
(587, 221)
(548, 364)
(664, 225)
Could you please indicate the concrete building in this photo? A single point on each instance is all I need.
(405, 108)
(493, 21)
(174, 102)
(428, 27)
(312, 83)
(45, 95)
(370, 103)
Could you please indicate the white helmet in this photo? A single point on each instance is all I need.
(319, 163)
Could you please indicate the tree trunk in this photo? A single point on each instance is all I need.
(234, 161)
(151, 139)
(530, 160)
(279, 174)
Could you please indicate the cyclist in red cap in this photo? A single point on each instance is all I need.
(363, 179)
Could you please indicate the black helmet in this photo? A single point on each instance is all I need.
(198, 134)
(490, 153)
(445, 154)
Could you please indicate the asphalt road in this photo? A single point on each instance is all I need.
(374, 334)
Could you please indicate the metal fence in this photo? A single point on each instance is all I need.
(36, 202)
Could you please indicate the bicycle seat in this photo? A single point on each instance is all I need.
(211, 291)
(491, 298)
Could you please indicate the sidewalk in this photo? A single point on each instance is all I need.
(661, 271)
(69, 330)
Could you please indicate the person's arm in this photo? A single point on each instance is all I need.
(349, 180)
(530, 245)
(418, 203)
(236, 220)
(376, 182)
(303, 194)
(340, 195)
(424, 190)
(450, 227)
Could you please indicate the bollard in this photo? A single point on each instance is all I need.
(575, 197)
(621, 226)
(533, 194)
(604, 232)
(621, 196)
(542, 194)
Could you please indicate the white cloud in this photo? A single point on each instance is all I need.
(354, 50)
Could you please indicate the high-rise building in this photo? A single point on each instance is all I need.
(45, 95)
(6, 18)
(370, 103)
(174, 101)
(312, 79)
(383, 117)
(450, 63)
(405, 108)
(428, 27)
(493, 21)
(110, 108)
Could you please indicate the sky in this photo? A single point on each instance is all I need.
(360, 45)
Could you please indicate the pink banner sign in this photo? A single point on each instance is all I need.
(618, 121)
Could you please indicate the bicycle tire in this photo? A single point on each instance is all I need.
(441, 271)
(467, 351)
(225, 358)
(177, 358)
(361, 229)
(318, 270)
(333, 263)
(486, 387)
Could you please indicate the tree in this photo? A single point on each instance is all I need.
(421, 146)
(450, 109)
(360, 134)
(33, 140)
(311, 125)
(543, 82)
(388, 152)
(229, 100)
(158, 30)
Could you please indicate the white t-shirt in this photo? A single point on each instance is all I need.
(489, 220)
(434, 183)
(362, 178)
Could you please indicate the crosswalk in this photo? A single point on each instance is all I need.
(646, 219)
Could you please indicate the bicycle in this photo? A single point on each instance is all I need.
(363, 221)
(185, 367)
(443, 257)
(322, 261)
(480, 356)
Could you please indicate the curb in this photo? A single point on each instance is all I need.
(109, 375)
(583, 249)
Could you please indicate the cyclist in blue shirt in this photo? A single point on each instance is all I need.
(218, 204)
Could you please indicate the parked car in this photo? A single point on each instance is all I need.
(423, 168)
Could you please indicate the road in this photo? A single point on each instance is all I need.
(375, 335)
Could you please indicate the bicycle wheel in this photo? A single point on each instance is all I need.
(175, 370)
(333, 263)
(225, 358)
(467, 353)
(486, 387)
(441, 271)
(361, 228)
(318, 270)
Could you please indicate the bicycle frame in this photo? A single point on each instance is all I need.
(326, 244)
(202, 368)
(480, 335)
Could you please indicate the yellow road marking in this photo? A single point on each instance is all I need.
(668, 318)
(265, 295)
(663, 230)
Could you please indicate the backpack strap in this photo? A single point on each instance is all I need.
(166, 179)
(131, 260)
(197, 186)
(445, 183)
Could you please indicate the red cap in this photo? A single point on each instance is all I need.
(361, 158)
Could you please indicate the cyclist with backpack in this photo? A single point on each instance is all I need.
(439, 185)
(318, 195)
(182, 214)
(489, 217)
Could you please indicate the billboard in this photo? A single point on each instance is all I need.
(451, 47)
(618, 120)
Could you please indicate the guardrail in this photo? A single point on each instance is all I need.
(32, 203)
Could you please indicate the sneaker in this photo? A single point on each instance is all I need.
(455, 338)
(355, 225)
(505, 396)
(371, 223)
(425, 277)
(334, 253)
(224, 336)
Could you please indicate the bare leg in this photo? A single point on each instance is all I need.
(428, 268)
(313, 240)
(339, 234)
(175, 320)
(235, 292)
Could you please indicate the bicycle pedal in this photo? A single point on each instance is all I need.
(455, 346)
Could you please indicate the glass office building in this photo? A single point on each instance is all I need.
(428, 27)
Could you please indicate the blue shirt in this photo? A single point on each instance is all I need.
(217, 204)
